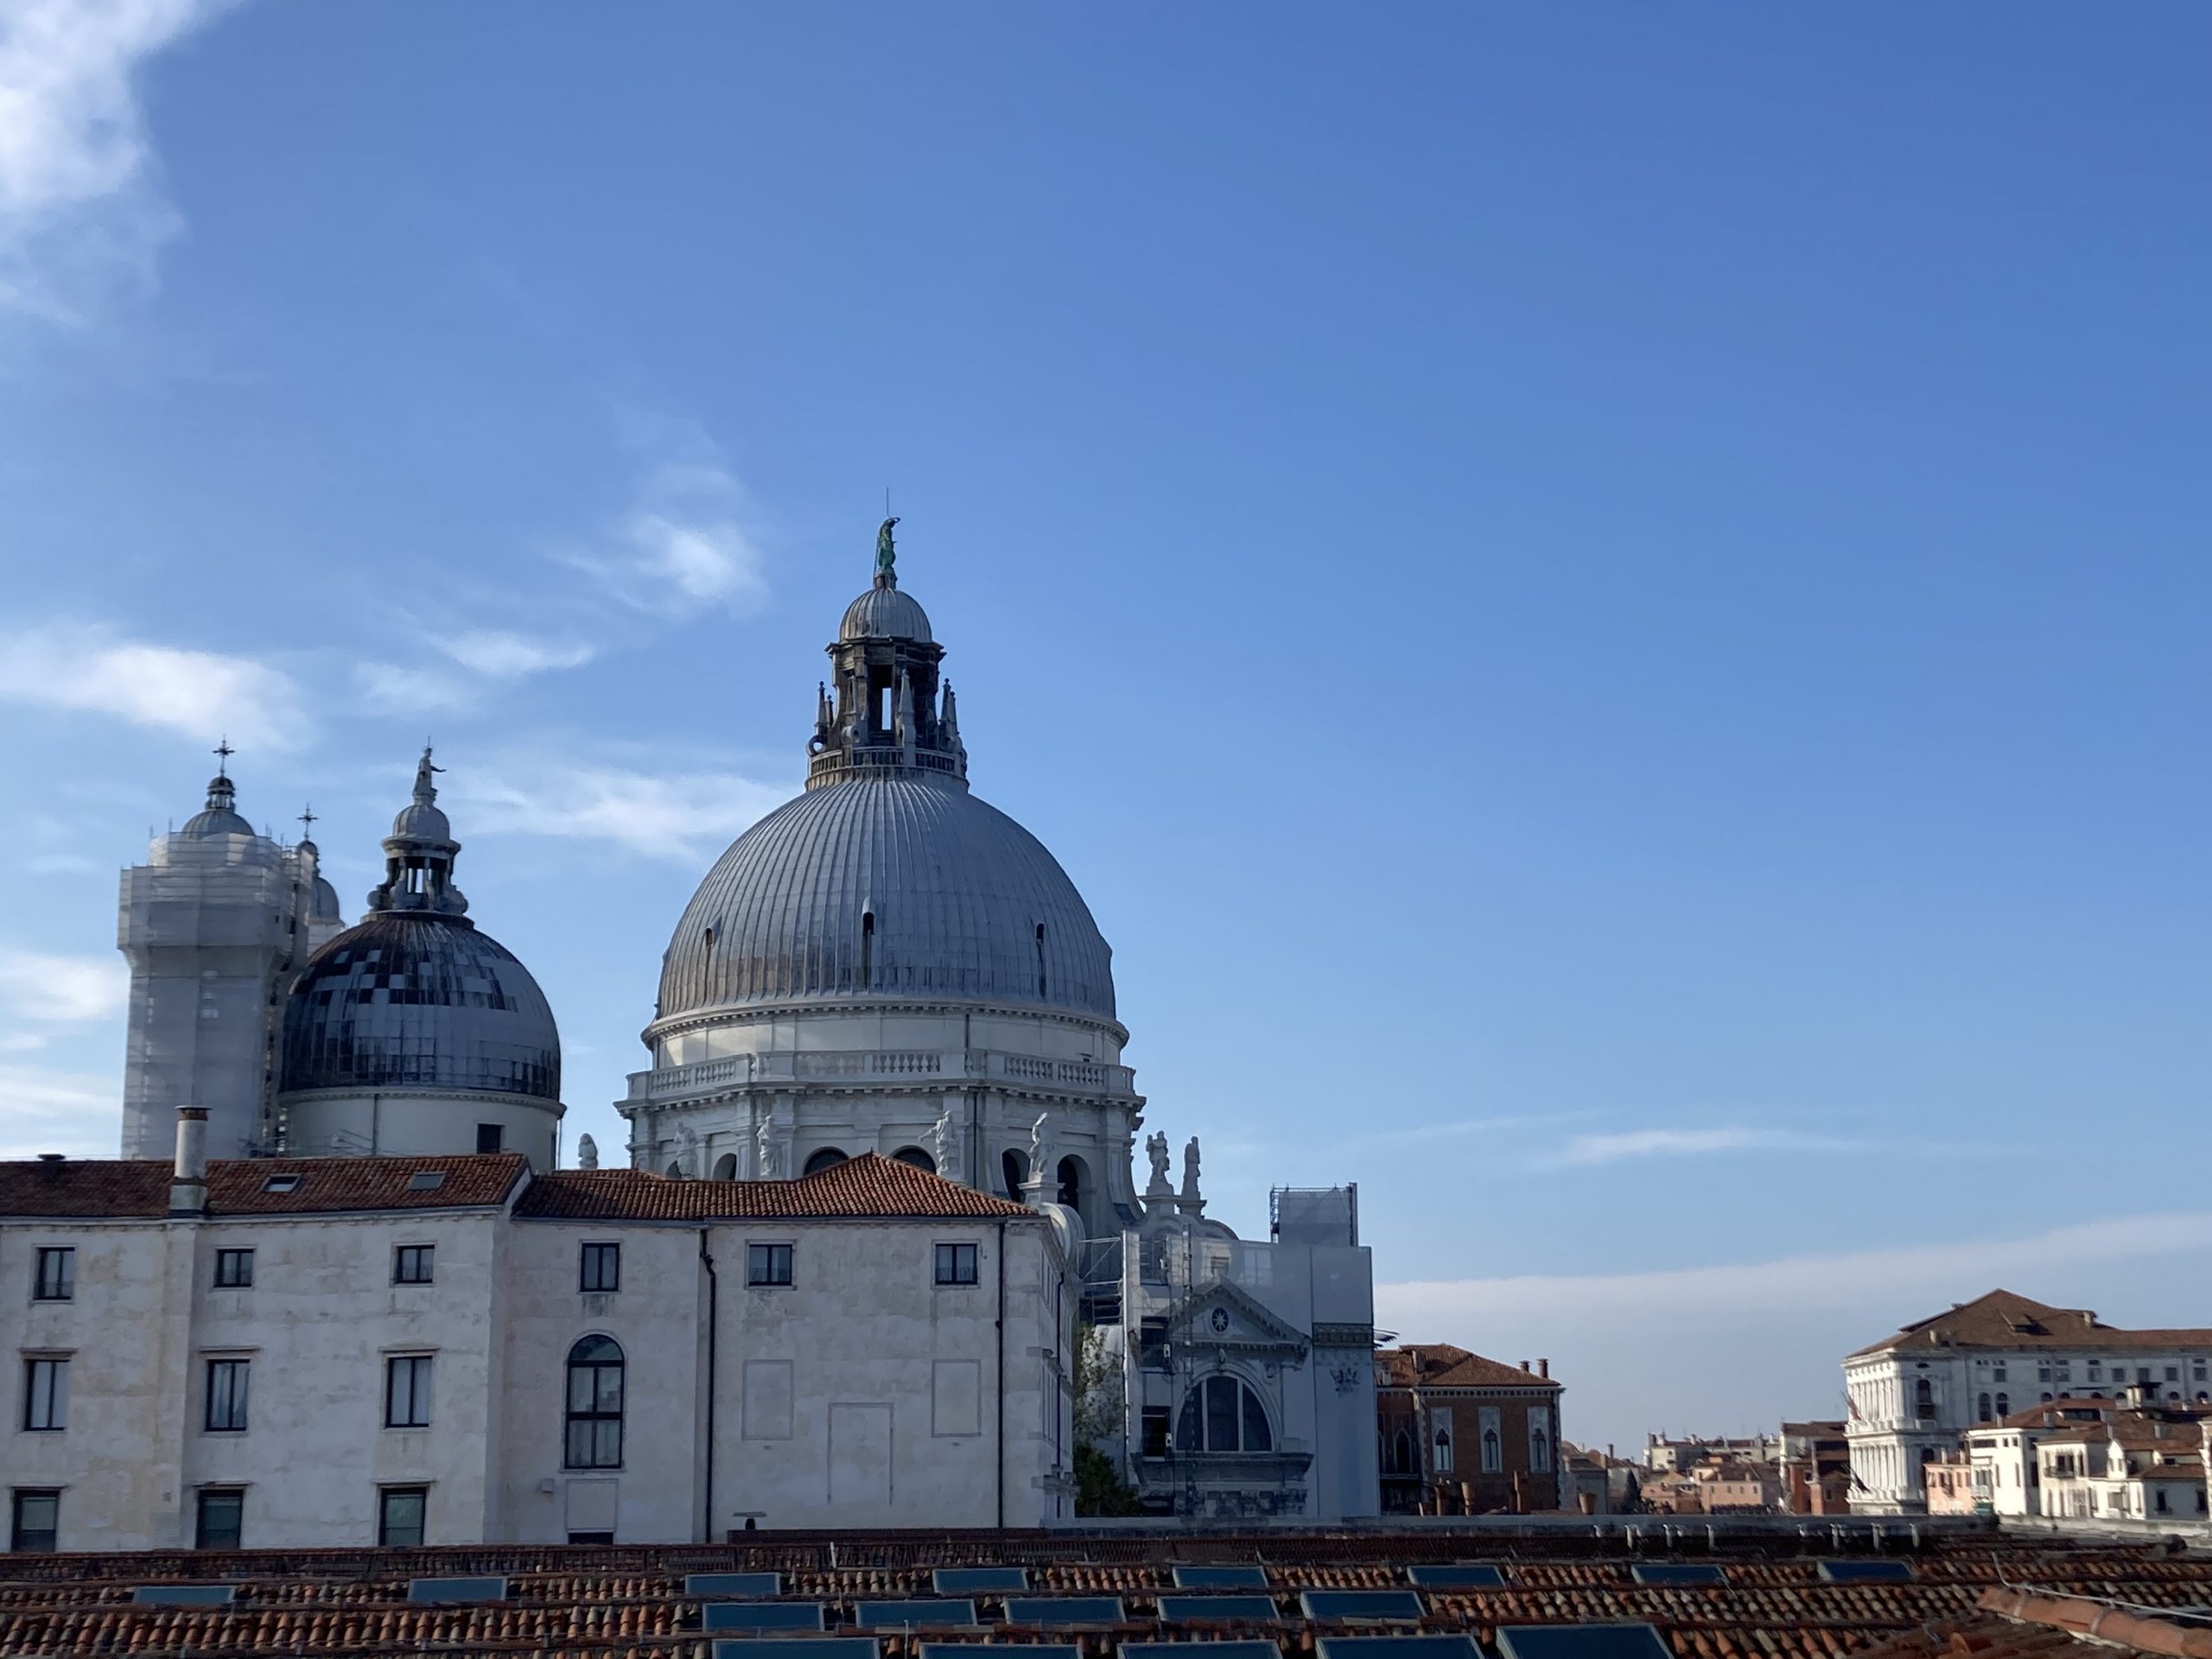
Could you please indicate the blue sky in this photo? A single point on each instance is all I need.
(1608, 602)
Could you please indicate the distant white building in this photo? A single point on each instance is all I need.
(1913, 1395)
(304, 1353)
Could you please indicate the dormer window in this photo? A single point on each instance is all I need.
(280, 1184)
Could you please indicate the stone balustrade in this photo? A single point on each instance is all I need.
(934, 1066)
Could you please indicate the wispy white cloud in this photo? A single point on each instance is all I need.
(499, 654)
(1690, 1143)
(35, 985)
(684, 546)
(395, 688)
(203, 694)
(1456, 1130)
(1937, 1273)
(46, 1110)
(678, 817)
(81, 216)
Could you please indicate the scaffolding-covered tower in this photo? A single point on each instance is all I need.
(216, 924)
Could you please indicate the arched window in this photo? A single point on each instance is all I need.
(595, 1424)
(2046, 1397)
(1222, 1414)
(1540, 1451)
(828, 1157)
(917, 1157)
(2003, 1405)
(1443, 1451)
(1040, 963)
(1402, 1455)
(675, 1169)
(1982, 1411)
(1493, 1452)
(867, 949)
(726, 1166)
(1923, 1397)
(1071, 1173)
(1015, 1170)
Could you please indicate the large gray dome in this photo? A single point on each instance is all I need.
(901, 887)
(406, 1000)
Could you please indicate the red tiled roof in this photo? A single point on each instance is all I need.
(2005, 1319)
(139, 1187)
(869, 1185)
(1457, 1370)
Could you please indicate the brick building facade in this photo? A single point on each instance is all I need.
(1460, 1434)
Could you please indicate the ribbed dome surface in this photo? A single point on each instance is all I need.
(215, 820)
(419, 1002)
(885, 614)
(956, 890)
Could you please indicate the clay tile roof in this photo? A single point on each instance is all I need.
(869, 1185)
(1464, 1370)
(76, 1188)
(2003, 1319)
(139, 1187)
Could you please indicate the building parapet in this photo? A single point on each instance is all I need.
(955, 1067)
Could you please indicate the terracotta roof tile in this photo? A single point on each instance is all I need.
(1462, 1371)
(139, 1187)
(869, 1185)
(2003, 1319)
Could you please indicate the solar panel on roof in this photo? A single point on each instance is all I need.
(1362, 1606)
(182, 1595)
(1679, 1573)
(978, 1580)
(760, 1616)
(1457, 1575)
(1245, 1650)
(709, 1586)
(914, 1612)
(1064, 1609)
(486, 1589)
(804, 1647)
(1244, 1610)
(1581, 1641)
(1398, 1647)
(1221, 1578)
(998, 1650)
(1866, 1572)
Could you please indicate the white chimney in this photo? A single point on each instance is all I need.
(188, 1186)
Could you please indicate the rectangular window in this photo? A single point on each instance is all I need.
(399, 1515)
(489, 1137)
(46, 1393)
(591, 1537)
(411, 1264)
(36, 1517)
(1998, 1375)
(1152, 1343)
(1154, 1423)
(57, 1274)
(221, 1518)
(407, 1391)
(2173, 1373)
(226, 1391)
(767, 1264)
(601, 1267)
(956, 1264)
(233, 1269)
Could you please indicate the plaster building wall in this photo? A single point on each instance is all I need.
(863, 1394)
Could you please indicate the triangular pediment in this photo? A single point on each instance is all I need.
(1222, 1315)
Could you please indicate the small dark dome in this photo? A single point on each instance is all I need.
(403, 1001)
(326, 902)
(220, 815)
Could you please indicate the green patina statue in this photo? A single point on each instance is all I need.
(886, 556)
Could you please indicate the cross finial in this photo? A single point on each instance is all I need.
(308, 821)
(223, 752)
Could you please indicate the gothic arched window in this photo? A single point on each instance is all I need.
(1402, 1455)
(1222, 1414)
(1443, 1451)
(595, 1409)
(1493, 1452)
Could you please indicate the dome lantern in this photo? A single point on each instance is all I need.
(884, 710)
